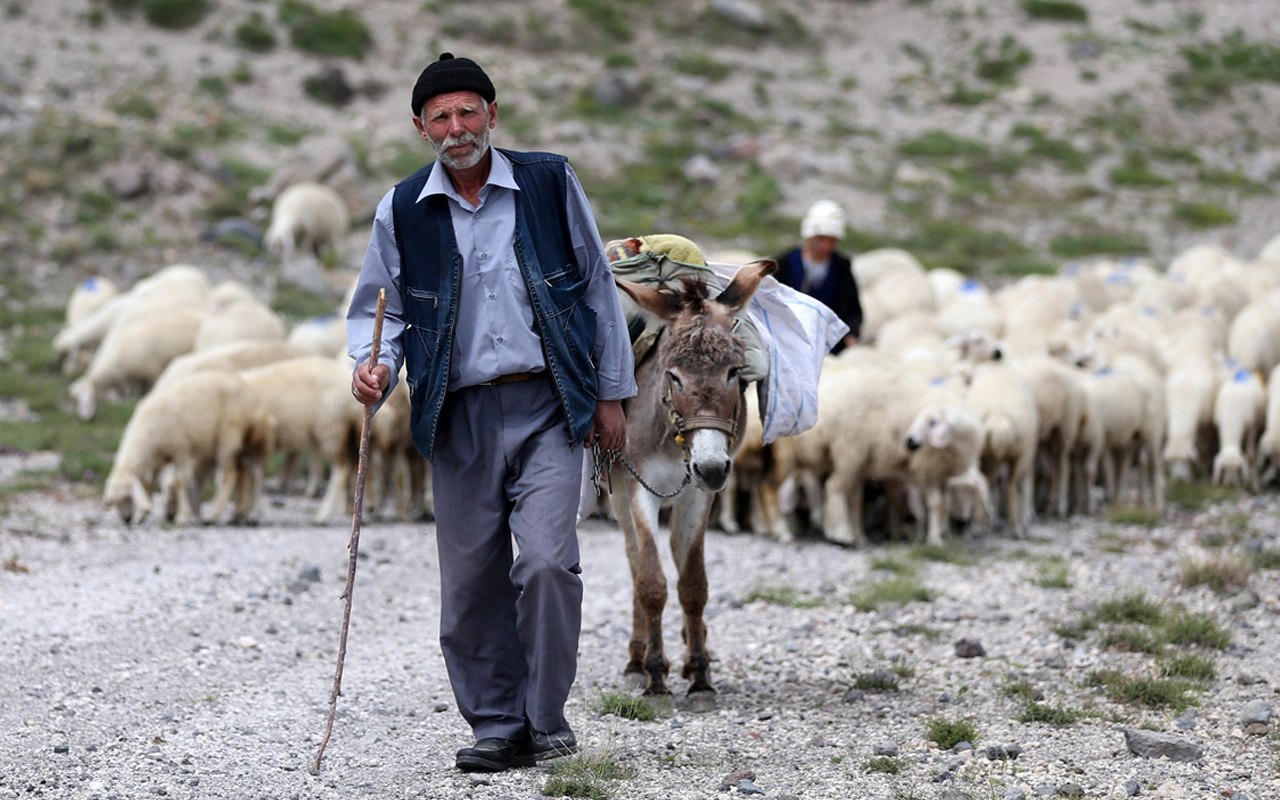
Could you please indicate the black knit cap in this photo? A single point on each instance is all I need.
(451, 74)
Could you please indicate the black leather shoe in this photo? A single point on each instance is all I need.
(543, 746)
(494, 755)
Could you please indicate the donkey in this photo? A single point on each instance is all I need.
(683, 424)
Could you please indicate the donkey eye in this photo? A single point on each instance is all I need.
(733, 374)
(675, 381)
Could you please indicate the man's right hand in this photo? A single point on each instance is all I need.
(366, 384)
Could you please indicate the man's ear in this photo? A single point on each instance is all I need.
(493, 114)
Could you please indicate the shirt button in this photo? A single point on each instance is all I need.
(499, 340)
(493, 297)
(483, 256)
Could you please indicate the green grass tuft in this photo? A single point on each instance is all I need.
(627, 706)
(1050, 714)
(587, 774)
(948, 733)
(899, 590)
(889, 765)
(338, 33)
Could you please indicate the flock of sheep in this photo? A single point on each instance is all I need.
(226, 383)
(1047, 396)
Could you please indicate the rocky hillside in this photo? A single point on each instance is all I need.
(996, 136)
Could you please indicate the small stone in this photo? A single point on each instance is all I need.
(1187, 720)
(438, 707)
(961, 747)
(997, 752)
(854, 695)
(969, 647)
(61, 748)
(747, 787)
(1046, 790)
(1014, 793)
(1150, 744)
(309, 573)
(887, 749)
(1256, 711)
(1014, 750)
(1071, 790)
(1132, 787)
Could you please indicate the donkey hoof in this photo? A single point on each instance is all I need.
(635, 681)
(702, 701)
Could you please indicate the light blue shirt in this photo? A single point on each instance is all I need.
(495, 333)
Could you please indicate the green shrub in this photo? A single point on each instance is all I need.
(941, 144)
(1134, 607)
(1055, 10)
(1002, 68)
(586, 774)
(1143, 690)
(175, 14)
(1204, 215)
(1220, 572)
(1201, 630)
(1094, 243)
(1192, 666)
(255, 34)
(1050, 714)
(337, 33)
(949, 733)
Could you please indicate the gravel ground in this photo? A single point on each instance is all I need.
(197, 663)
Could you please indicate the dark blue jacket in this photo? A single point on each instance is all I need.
(432, 277)
(839, 291)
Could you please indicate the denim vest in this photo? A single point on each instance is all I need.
(431, 270)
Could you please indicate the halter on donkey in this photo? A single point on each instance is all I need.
(682, 423)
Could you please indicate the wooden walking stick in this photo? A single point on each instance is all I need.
(353, 547)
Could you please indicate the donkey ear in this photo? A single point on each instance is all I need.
(663, 304)
(744, 284)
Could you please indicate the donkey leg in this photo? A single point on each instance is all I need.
(647, 663)
(688, 537)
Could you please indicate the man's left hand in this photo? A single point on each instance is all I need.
(608, 425)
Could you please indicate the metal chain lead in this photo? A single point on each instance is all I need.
(604, 460)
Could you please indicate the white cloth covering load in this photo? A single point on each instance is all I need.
(797, 332)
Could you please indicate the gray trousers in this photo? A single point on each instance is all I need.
(509, 623)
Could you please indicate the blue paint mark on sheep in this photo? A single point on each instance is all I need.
(1242, 375)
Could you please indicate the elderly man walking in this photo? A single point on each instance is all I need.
(502, 309)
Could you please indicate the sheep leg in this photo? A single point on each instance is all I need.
(936, 503)
(842, 515)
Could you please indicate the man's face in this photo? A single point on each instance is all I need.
(821, 247)
(457, 125)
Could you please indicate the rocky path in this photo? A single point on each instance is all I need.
(197, 663)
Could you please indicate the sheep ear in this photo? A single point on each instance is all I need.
(940, 434)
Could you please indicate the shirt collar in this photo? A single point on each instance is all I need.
(499, 175)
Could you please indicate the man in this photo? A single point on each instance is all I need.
(816, 269)
(501, 306)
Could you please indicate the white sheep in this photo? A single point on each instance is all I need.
(206, 421)
(325, 335)
(866, 406)
(238, 320)
(1191, 435)
(1269, 443)
(945, 441)
(89, 295)
(306, 216)
(235, 356)
(135, 352)
(179, 285)
(317, 417)
(1253, 340)
(971, 308)
(1061, 404)
(1001, 401)
(1239, 411)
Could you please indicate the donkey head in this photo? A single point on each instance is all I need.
(699, 360)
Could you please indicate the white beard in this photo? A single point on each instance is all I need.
(480, 146)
